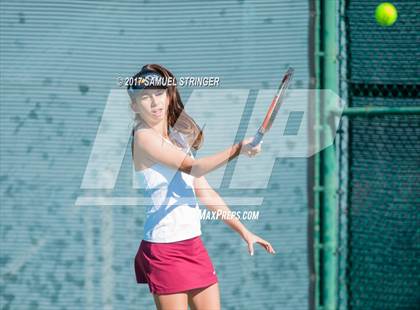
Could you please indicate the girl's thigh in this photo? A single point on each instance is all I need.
(171, 301)
(207, 298)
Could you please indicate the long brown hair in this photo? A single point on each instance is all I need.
(177, 118)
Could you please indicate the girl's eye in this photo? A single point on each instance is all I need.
(160, 93)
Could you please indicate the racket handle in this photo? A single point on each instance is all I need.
(257, 138)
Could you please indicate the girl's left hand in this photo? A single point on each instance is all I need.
(250, 238)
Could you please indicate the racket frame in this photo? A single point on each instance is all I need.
(275, 105)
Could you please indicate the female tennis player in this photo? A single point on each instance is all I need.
(172, 258)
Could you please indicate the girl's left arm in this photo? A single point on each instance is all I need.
(212, 201)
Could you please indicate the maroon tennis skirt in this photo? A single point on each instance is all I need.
(174, 267)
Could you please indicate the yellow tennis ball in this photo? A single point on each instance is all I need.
(386, 14)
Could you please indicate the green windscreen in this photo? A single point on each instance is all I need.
(67, 246)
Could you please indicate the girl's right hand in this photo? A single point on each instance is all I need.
(248, 149)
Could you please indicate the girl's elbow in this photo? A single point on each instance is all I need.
(193, 168)
(197, 169)
(196, 172)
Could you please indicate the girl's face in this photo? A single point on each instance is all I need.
(152, 104)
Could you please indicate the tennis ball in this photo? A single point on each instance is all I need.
(386, 14)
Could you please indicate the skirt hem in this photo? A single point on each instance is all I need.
(180, 290)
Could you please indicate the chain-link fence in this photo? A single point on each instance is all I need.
(378, 157)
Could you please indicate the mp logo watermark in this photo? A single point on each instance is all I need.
(229, 116)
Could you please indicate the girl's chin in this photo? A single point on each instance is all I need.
(159, 115)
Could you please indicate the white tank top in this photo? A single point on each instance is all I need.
(175, 213)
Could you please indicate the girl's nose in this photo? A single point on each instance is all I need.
(153, 97)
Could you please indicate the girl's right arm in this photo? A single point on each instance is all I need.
(159, 150)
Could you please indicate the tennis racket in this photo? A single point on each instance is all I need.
(274, 107)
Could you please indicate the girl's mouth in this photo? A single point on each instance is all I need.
(157, 112)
